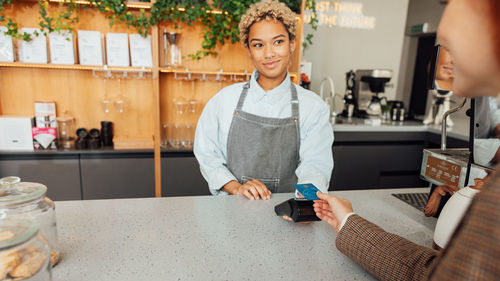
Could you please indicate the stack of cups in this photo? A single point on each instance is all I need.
(107, 133)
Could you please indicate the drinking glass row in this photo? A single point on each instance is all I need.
(178, 135)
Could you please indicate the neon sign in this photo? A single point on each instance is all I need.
(341, 14)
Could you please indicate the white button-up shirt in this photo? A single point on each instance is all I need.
(316, 133)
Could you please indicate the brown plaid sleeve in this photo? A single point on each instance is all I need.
(385, 255)
(473, 252)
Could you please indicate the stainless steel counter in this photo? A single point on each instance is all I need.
(216, 238)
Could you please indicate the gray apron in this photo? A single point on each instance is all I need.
(266, 149)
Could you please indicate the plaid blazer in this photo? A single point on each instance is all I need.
(473, 252)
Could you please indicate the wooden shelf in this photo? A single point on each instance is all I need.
(209, 72)
(74, 67)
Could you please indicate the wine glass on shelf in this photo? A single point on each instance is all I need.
(106, 101)
(120, 101)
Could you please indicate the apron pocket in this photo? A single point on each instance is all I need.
(271, 184)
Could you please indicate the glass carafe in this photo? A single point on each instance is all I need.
(65, 128)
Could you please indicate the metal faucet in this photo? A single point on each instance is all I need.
(330, 100)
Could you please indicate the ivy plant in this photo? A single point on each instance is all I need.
(221, 27)
(58, 21)
(311, 5)
(12, 27)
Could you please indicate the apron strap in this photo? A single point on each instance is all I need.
(295, 102)
(243, 96)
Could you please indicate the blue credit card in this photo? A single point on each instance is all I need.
(308, 190)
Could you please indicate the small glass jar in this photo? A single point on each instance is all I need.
(23, 254)
(26, 200)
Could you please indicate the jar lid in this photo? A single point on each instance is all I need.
(13, 191)
(15, 232)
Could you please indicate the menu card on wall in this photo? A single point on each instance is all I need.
(89, 47)
(140, 51)
(34, 51)
(61, 47)
(117, 49)
(6, 47)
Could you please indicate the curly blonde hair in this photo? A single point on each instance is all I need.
(268, 10)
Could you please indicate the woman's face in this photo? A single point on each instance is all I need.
(465, 31)
(445, 65)
(270, 48)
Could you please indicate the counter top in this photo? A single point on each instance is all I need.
(460, 130)
(217, 238)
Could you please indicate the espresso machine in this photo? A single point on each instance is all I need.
(370, 83)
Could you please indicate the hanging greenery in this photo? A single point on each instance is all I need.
(185, 11)
(49, 22)
(12, 27)
(58, 21)
(218, 27)
(118, 12)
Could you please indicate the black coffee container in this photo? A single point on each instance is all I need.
(94, 141)
(107, 133)
(82, 137)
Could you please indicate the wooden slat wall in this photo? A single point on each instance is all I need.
(76, 91)
(149, 101)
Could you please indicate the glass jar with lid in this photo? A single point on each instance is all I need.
(27, 200)
(23, 254)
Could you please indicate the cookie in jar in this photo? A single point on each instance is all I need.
(23, 255)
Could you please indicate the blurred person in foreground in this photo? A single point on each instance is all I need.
(469, 29)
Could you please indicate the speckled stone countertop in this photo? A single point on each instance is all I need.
(217, 238)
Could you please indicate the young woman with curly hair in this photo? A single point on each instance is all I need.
(266, 135)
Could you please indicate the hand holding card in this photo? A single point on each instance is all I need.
(308, 190)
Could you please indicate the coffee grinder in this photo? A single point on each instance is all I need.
(349, 100)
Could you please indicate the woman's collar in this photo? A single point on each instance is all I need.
(283, 87)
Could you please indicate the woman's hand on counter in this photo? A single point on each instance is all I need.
(253, 189)
(332, 209)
